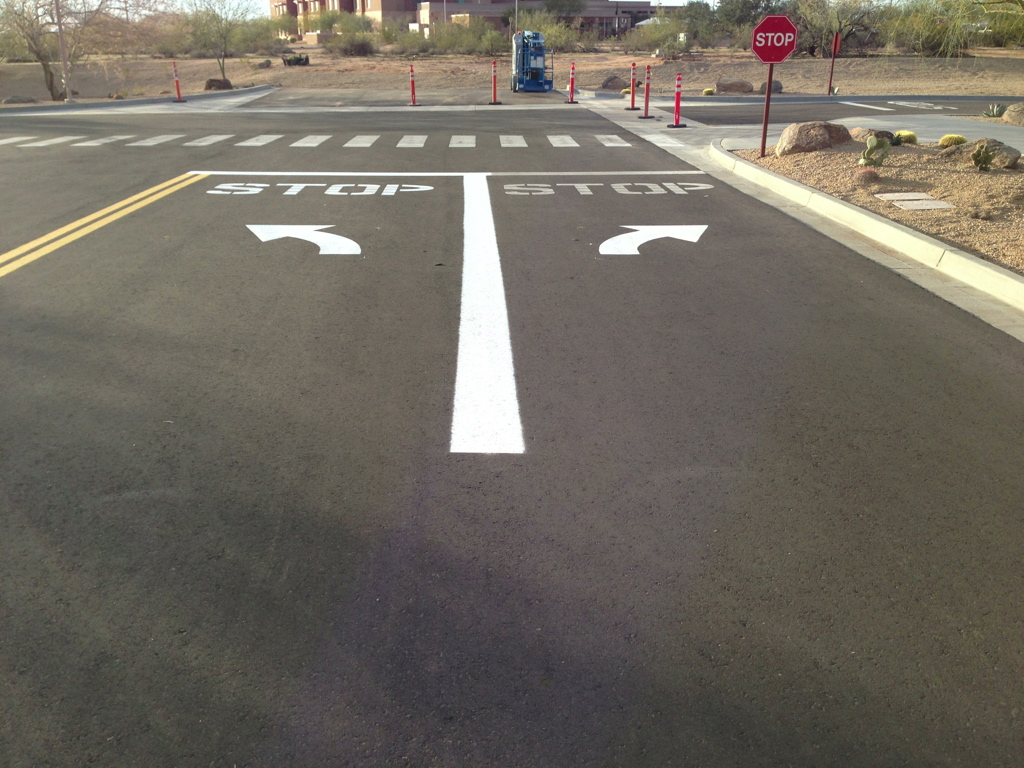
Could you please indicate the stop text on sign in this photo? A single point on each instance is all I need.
(775, 39)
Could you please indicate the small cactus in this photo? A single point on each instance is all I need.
(906, 137)
(951, 140)
(994, 110)
(866, 177)
(875, 154)
(982, 157)
(708, 92)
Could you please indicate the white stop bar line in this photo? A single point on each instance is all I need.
(485, 417)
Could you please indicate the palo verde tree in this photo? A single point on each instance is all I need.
(819, 20)
(214, 25)
(34, 24)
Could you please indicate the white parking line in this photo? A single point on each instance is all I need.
(562, 141)
(51, 142)
(104, 140)
(208, 140)
(867, 106)
(361, 141)
(16, 139)
(156, 140)
(513, 141)
(260, 141)
(462, 141)
(412, 142)
(485, 416)
(613, 141)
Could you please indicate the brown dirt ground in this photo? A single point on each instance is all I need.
(994, 72)
(988, 219)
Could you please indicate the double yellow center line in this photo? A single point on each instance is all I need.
(26, 254)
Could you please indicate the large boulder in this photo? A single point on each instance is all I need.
(1005, 156)
(216, 84)
(615, 83)
(1014, 114)
(776, 86)
(810, 137)
(863, 134)
(732, 85)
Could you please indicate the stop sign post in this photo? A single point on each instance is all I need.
(773, 41)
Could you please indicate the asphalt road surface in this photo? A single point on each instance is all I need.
(480, 469)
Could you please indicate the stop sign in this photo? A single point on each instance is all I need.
(774, 39)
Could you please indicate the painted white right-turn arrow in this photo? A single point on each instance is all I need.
(628, 243)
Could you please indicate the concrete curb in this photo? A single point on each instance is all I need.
(75, 106)
(984, 276)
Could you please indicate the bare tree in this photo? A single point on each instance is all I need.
(214, 25)
(35, 24)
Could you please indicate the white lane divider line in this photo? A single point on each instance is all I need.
(485, 416)
(104, 140)
(310, 141)
(562, 141)
(208, 140)
(613, 141)
(16, 139)
(51, 142)
(463, 141)
(260, 141)
(867, 106)
(412, 142)
(361, 141)
(513, 141)
(156, 140)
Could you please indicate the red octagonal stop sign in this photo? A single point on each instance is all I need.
(774, 39)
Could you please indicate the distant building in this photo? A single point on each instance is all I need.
(607, 17)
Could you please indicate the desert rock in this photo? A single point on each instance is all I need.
(810, 137)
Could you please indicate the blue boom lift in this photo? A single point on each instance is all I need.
(530, 70)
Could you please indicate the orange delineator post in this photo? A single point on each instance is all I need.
(494, 83)
(412, 86)
(177, 85)
(572, 84)
(647, 95)
(679, 97)
(632, 88)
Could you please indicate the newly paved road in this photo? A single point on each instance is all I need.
(767, 510)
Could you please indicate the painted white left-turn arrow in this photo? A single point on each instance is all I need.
(330, 244)
(628, 243)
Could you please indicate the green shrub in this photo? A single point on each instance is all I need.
(906, 137)
(412, 42)
(351, 44)
(951, 140)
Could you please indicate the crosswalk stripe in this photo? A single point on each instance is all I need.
(208, 140)
(663, 141)
(310, 141)
(104, 140)
(612, 141)
(361, 141)
(156, 140)
(462, 141)
(16, 139)
(513, 141)
(260, 141)
(412, 142)
(562, 141)
(51, 142)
